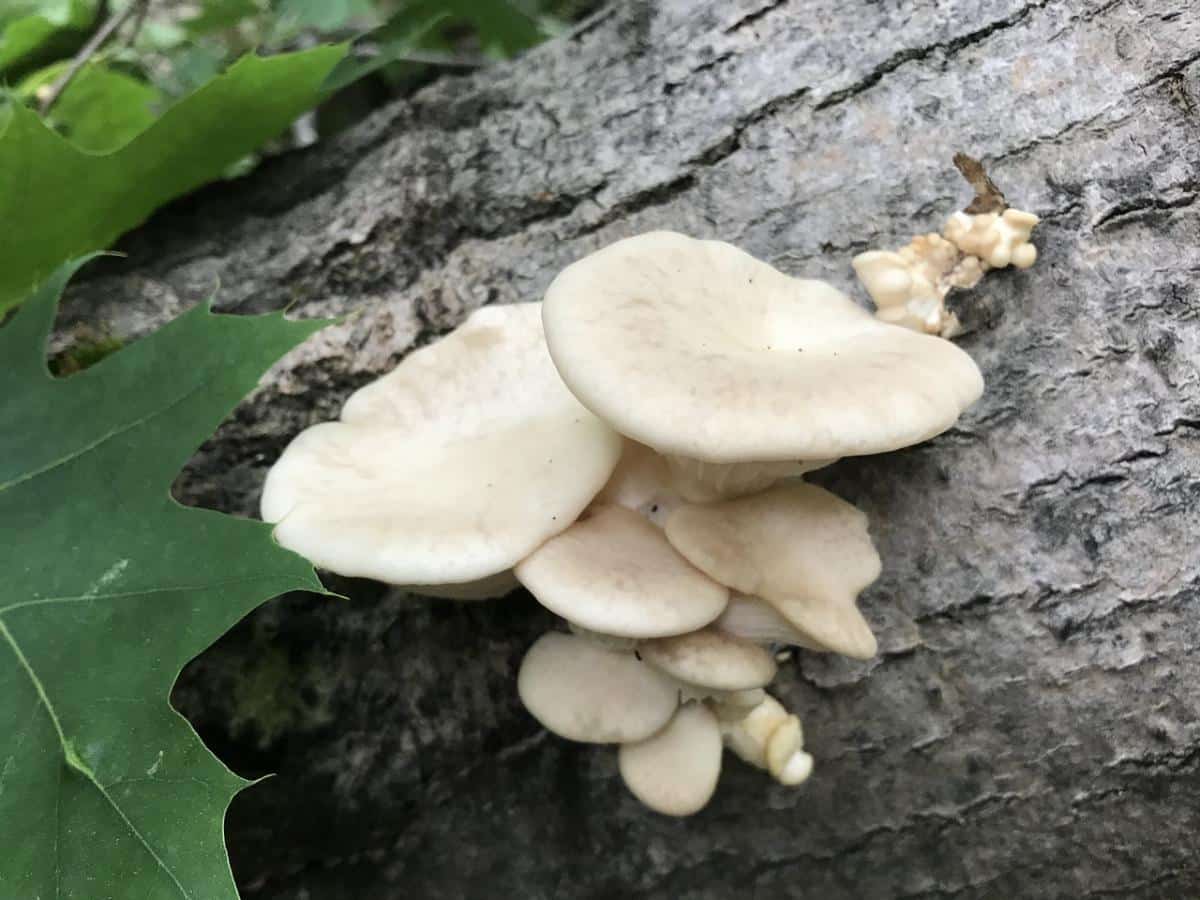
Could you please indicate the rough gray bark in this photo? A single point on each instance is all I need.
(1031, 727)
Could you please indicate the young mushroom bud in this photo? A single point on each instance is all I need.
(450, 469)
(909, 287)
(768, 737)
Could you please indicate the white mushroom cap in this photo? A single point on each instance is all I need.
(451, 468)
(696, 348)
(798, 547)
(615, 573)
(488, 588)
(584, 691)
(711, 659)
(756, 620)
(675, 772)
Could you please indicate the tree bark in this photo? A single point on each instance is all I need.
(1031, 726)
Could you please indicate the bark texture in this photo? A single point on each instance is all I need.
(1031, 727)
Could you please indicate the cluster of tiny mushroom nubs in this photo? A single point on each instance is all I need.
(630, 451)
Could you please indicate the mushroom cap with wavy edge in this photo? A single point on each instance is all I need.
(698, 349)
(796, 546)
(675, 771)
(460, 462)
(615, 573)
(584, 691)
(756, 620)
(712, 659)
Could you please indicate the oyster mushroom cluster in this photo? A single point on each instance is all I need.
(630, 451)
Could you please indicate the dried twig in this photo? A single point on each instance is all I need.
(88, 50)
(143, 8)
(988, 198)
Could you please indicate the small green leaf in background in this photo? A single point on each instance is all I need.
(58, 202)
(26, 26)
(504, 29)
(401, 35)
(323, 15)
(100, 110)
(106, 793)
(215, 15)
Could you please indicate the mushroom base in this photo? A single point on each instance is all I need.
(697, 481)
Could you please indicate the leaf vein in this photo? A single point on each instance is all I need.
(121, 595)
(72, 759)
(107, 436)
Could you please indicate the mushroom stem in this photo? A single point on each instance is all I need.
(909, 287)
(767, 737)
(608, 641)
(697, 481)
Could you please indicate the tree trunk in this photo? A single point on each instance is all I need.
(1031, 726)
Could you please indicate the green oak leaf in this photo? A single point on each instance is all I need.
(106, 793)
(69, 202)
(101, 109)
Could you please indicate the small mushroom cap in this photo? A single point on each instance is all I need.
(698, 349)
(711, 659)
(675, 771)
(583, 691)
(886, 276)
(796, 546)
(615, 573)
(453, 467)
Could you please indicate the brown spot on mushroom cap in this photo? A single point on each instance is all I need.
(697, 349)
(615, 573)
(675, 771)
(583, 691)
(457, 464)
(796, 546)
(711, 659)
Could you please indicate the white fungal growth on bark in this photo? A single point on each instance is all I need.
(909, 286)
